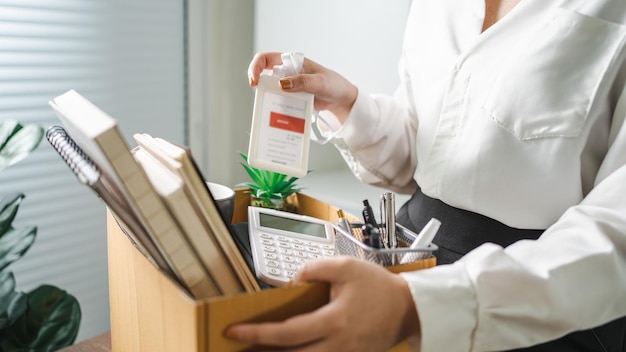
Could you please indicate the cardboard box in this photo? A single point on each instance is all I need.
(150, 312)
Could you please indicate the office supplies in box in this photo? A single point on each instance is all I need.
(151, 312)
(168, 291)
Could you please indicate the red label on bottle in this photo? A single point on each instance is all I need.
(286, 122)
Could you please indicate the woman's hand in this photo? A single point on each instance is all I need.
(332, 91)
(370, 309)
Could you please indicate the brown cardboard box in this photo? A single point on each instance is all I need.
(150, 312)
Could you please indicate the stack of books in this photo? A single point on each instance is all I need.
(157, 194)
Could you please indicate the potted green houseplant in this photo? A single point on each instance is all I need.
(46, 318)
(270, 189)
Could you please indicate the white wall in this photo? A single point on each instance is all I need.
(220, 34)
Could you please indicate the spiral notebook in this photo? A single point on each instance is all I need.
(89, 175)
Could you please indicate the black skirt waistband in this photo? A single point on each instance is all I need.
(461, 231)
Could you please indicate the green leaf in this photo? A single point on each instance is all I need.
(8, 209)
(268, 185)
(51, 322)
(17, 141)
(12, 304)
(7, 129)
(14, 243)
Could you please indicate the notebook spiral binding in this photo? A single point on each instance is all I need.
(88, 173)
(76, 159)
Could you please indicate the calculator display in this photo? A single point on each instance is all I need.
(292, 225)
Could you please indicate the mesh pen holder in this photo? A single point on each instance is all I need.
(352, 244)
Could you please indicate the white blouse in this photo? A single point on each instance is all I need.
(522, 123)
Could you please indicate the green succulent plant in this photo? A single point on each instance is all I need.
(269, 189)
(46, 318)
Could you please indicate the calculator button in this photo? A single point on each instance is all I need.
(269, 249)
(290, 266)
(314, 256)
(267, 242)
(271, 256)
(289, 259)
(282, 238)
(296, 241)
(328, 253)
(327, 246)
(274, 271)
(298, 247)
(309, 243)
(300, 254)
(284, 245)
(284, 251)
(271, 263)
(265, 235)
(290, 274)
(313, 250)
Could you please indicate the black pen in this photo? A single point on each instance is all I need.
(368, 214)
(376, 240)
(365, 233)
(371, 236)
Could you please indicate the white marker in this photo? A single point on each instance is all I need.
(425, 237)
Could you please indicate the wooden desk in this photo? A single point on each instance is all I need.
(100, 343)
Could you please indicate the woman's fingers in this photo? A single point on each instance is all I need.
(335, 270)
(260, 62)
(298, 330)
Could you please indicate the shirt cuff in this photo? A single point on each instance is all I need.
(446, 306)
(361, 123)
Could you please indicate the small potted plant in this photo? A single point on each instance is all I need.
(270, 189)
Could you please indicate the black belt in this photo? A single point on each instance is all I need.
(461, 231)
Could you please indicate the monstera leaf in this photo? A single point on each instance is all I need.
(17, 141)
(50, 323)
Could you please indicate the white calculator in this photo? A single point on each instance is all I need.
(282, 241)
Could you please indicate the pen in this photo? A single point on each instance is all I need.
(343, 222)
(376, 241)
(371, 236)
(389, 212)
(365, 232)
(368, 214)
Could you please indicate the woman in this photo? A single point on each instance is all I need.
(508, 126)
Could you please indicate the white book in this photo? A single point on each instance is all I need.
(179, 160)
(97, 134)
(171, 187)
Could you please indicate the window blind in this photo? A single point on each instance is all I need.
(128, 58)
